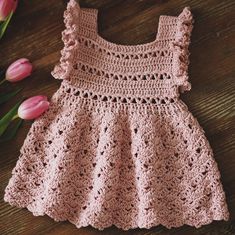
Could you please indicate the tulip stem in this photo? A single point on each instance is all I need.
(2, 81)
(4, 24)
(16, 116)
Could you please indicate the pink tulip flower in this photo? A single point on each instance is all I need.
(33, 107)
(6, 7)
(19, 70)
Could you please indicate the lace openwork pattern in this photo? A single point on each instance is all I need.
(117, 146)
(160, 65)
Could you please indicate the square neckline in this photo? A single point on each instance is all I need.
(120, 45)
(127, 47)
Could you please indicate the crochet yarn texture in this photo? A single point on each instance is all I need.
(118, 146)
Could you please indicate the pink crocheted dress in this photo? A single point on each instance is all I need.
(118, 146)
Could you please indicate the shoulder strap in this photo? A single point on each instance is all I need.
(88, 21)
(166, 27)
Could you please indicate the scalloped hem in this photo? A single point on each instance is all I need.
(119, 226)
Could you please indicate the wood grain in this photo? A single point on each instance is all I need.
(35, 33)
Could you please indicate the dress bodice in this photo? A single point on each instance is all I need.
(143, 71)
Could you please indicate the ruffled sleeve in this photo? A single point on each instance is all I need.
(180, 50)
(69, 38)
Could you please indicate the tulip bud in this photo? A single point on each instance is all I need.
(19, 70)
(6, 7)
(33, 107)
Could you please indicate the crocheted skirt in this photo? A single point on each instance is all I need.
(101, 164)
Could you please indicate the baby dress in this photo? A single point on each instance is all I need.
(117, 145)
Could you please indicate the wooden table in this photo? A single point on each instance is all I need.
(35, 33)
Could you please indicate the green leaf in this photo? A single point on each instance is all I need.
(5, 97)
(11, 132)
(4, 24)
(5, 120)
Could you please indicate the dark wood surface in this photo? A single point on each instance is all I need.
(35, 33)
